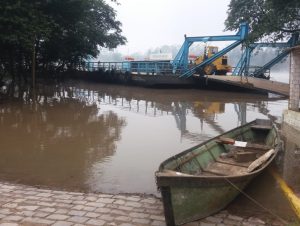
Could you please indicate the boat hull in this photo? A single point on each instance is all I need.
(185, 203)
(188, 197)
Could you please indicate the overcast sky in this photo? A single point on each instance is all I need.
(153, 23)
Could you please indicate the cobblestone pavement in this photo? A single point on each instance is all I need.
(25, 205)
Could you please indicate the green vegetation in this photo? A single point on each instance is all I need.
(272, 19)
(57, 34)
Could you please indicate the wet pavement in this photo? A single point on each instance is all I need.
(27, 205)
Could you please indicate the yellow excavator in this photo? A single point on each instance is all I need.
(218, 67)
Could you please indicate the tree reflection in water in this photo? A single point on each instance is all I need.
(54, 139)
(99, 137)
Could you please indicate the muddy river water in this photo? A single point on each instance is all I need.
(108, 138)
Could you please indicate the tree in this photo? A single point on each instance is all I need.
(62, 32)
(271, 19)
(84, 25)
(20, 24)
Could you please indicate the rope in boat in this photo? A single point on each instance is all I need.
(256, 202)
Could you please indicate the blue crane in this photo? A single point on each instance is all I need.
(243, 65)
(180, 63)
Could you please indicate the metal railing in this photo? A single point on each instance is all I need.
(133, 67)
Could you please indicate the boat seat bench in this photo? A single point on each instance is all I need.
(261, 127)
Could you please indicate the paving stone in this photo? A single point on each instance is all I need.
(63, 196)
(230, 222)
(133, 198)
(119, 202)
(255, 220)
(18, 200)
(35, 220)
(112, 206)
(138, 215)
(65, 201)
(78, 207)
(31, 193)
(213, 219)
(10, 205)
(78, 219)
(233, 217)
(89, 208)
(41, 214)
(13, 218)
(118, 212)
(96, 222)
(76, 193)
(128, 208)
(5, 211)
(154, 212)
(64, 205)
(11, 187)
(77, 213)
(48, 210)
(123, 218)
(57, 217)
(105, 196)
(91, 198)
(105, 200)
(62, 211)
(141, 221)
(156, 217)
(46, 204)
(79, 202)
(92, 215)
(59, 192)
(46, 199)
(148, 201)
(9, 224)
(106, 217)
(44, 195)
(133, 204)
(95, 204)
(26, 213)
(32, 208)
(78, 198)
(119, 197)
(33, 197)
(102, 210)
(62, 223)
(158, 223)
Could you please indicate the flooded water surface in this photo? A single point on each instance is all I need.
(109, 138)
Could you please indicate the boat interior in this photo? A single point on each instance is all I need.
(237, 152)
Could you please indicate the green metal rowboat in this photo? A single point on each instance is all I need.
(204, 179)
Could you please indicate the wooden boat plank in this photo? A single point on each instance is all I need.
(258, 147)
(231, 161)
(212, 173)
(261, 127)
(242, 144)
(225, 169)
(260, 161)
